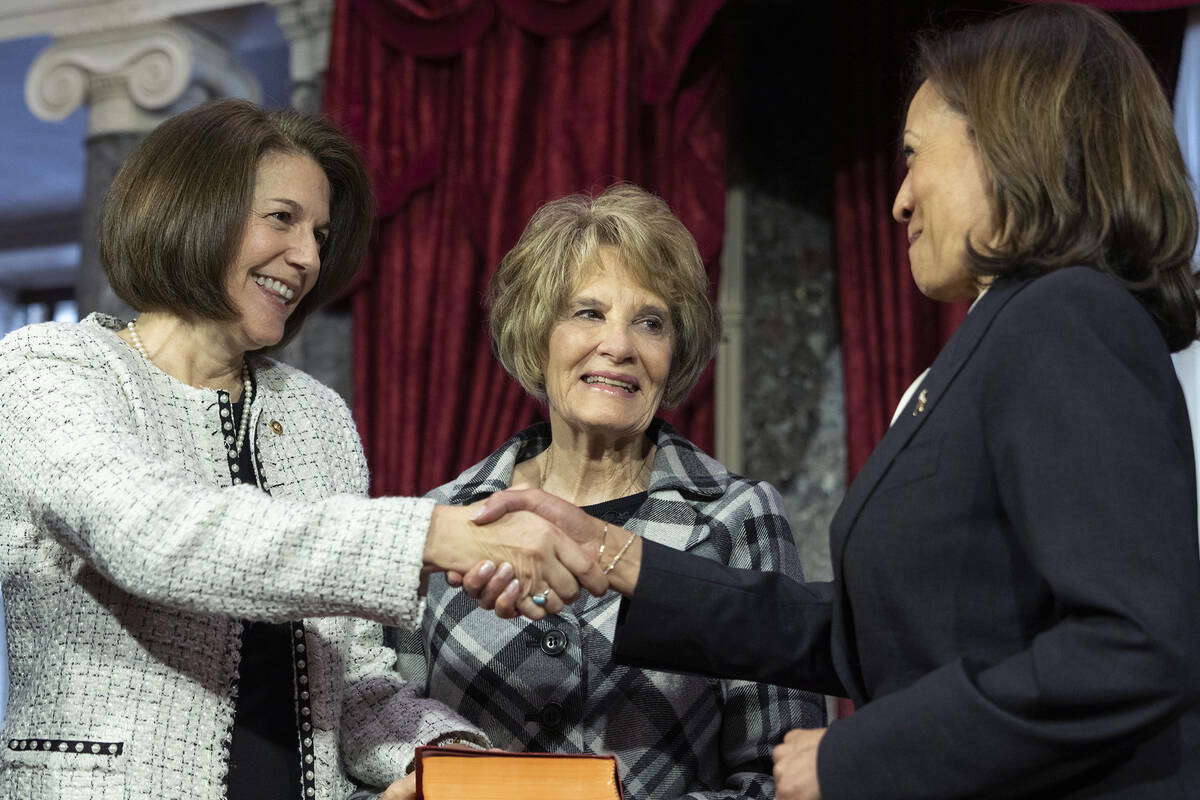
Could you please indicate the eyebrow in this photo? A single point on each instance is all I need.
(648, 308)
(296, 207)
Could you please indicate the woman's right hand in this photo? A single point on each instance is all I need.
(540, 555)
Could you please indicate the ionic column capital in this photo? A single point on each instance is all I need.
(130, 77)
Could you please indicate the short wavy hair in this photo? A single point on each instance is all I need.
(1078, 140)
(531, 288)
(174, 217)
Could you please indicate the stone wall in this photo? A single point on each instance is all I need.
(793, 397)
(792, 402)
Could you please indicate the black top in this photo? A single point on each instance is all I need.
(264, 753)
(617, 512)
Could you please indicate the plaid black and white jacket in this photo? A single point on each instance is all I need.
(552, 685)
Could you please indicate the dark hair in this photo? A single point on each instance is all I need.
(1078, 142)
(174, 216)
(530, 289)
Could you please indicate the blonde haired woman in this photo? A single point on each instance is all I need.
(601, 311)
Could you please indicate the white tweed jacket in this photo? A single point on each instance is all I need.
(126, 559)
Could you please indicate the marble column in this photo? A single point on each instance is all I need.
(730, 376)
(794, 416)
(306, 24)
(130, 79)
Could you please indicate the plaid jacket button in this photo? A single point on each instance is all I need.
(551, 716)
(554, 642)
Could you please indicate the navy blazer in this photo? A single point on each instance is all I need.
(1016, 599)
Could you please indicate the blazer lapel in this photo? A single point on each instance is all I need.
(945, 369)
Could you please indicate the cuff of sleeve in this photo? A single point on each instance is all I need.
(453, 739)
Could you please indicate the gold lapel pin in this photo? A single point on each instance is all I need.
(922, 398)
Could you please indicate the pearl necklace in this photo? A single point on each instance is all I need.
(247, 387)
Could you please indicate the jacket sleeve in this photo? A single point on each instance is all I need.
(386, 718)
(74, 465)
(1091, 454)
(690, 614)
(755, 716)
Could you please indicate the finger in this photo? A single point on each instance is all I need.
(475, 579)
(571, 519)
(804, 737)
(496, 586)
(499, 504)
(781, 754)
(403, 789)
(558, 592)
(562, 582)
(507, 601)
(547, 506)
(554, 603)
(548, 600)
(582, 565)
(530, 609)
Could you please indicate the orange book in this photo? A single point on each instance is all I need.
(451, 774)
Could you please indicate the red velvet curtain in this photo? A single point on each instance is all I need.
(1128, 5)
(471, 114)
(890, 331)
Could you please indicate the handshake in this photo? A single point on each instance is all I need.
(526, 552)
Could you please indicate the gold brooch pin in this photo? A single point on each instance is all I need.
(921, 400)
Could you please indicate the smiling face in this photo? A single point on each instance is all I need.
(610, 357)
(944, 198)
(279, 257)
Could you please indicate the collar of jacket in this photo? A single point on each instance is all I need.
(678, 466)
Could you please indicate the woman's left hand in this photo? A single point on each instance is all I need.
(796, 765)
(403, 789)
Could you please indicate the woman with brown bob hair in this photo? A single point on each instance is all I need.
(186, 531)
(601, 311)
(1016, 574)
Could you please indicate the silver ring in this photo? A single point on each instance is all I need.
(540, 598)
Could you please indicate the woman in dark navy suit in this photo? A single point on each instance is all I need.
(1016, 603)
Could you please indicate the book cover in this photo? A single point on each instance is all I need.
(451, 774)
